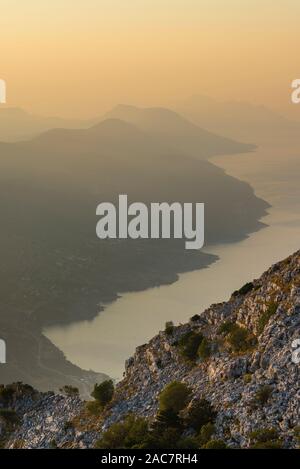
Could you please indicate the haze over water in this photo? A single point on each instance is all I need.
(106, 342)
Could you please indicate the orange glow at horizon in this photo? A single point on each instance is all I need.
(78, 58)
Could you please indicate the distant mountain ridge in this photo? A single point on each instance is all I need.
(164, 125)
(193, 118)
(242, 120)
(17, 124)
(180, 134)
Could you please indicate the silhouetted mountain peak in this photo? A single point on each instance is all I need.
(106, 129)
(240, 119)
(113, 126)
(158, 118)
(177, 132)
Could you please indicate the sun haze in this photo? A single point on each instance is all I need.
(79, 58)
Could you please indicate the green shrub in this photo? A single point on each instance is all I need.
(53, 444)
(189, 344)
(263, 394)
(206, 433)
(226, 327)
(240, 339)
(263, 434)
(204, 349)
(174, 397)
(297, 434)
(187, 443)
(9, 415)
(70, 390)
(166, 418)
(247, 378)
(166, 430)
(170, 437)
(195, 318)
(237, 337)
(169, 328)
(133, 432)
(94, 407)
(159, 363)
(215, 444)
(103, 392)
(265, 438)
(268, 445)
(200, 413)
(266, 316)
(244, 290)
(6, 393)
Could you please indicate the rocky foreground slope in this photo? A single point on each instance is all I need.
(246, 368)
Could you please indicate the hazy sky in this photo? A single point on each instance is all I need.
(79, 57)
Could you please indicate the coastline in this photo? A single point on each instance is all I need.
(146, 311)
